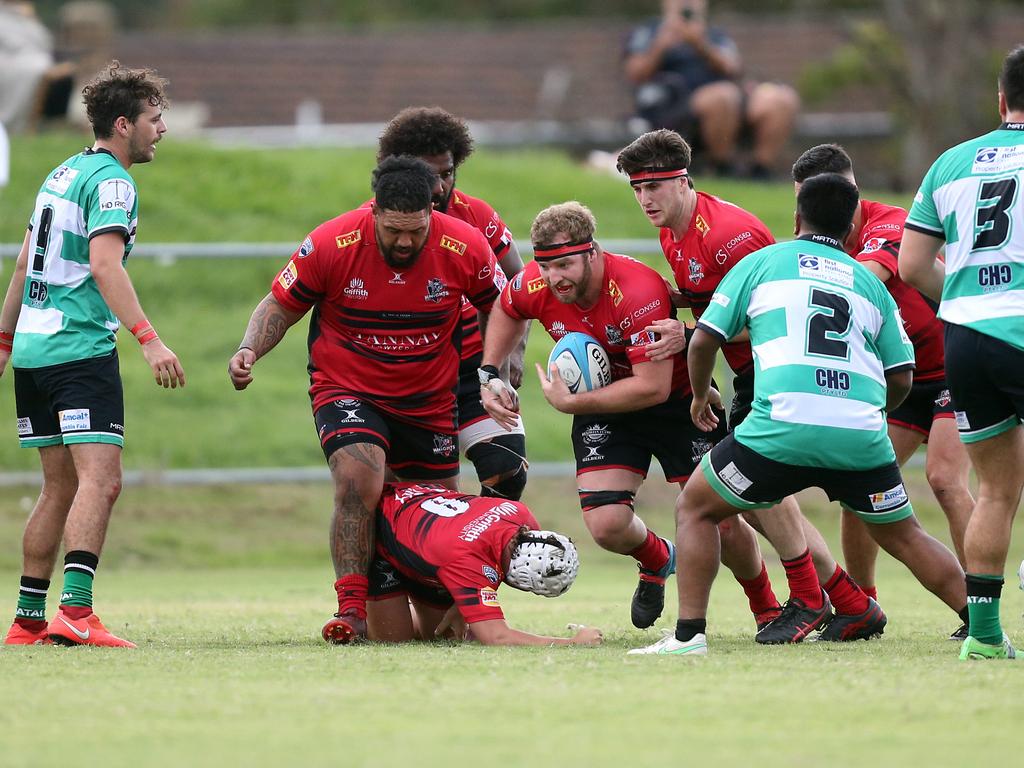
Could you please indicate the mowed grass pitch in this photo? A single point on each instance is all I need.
(224, 590)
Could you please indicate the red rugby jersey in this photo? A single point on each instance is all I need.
(386, 335)
(444, 538)
(633, 296)
(719, 235)
(879, 240)
(481, 215)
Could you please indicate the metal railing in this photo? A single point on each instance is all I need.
(173, 251)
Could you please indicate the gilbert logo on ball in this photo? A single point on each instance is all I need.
(582, 362)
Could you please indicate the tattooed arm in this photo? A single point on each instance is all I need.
(267, 326)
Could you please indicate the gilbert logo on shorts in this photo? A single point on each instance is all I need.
(75, 420)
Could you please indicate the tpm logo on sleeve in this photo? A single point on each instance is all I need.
(75, 420)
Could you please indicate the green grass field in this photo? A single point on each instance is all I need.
(224, 590)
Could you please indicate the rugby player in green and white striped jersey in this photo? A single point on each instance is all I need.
(67, 297)
(831, 356)
(970, 200)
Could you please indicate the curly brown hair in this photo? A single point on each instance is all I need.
(571, 220)
(425, 131)
(118, 91)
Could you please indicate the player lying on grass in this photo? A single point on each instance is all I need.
(442, 552)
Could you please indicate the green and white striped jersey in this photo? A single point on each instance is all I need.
(824, 332)
(971, 198)
(63, 316)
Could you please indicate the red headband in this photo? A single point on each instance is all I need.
(558, 250)
(656, 174)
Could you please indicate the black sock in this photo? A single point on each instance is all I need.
(687, 628)
(965, 617)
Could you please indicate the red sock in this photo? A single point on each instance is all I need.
(759, 592)
(871, 592)
(652, 554)
(352, 591)
(31, 625)
(76, 612)
(844, 593)
(803, 580)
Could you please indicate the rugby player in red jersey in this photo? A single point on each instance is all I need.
(386, 285)
(443, 142)
(927, 413)
(703, 237)
(574, 285)
(442, 552)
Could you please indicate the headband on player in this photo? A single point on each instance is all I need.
(652, 173)
(558, 250)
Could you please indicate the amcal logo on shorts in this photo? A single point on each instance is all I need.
(75, 420)
(890, 499)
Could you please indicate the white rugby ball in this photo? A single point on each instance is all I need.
(582, 362)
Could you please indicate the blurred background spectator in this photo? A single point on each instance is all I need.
(688, 77)
(26, 56)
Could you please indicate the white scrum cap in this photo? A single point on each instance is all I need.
(544, 562)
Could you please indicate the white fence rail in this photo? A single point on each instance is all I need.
(173, 251)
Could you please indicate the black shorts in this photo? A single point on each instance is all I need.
(742, 398)
(748, 480)
(628, 440)
(78, 402)
(411, 451)
(387, 581)
(927, 401)
(986, 379)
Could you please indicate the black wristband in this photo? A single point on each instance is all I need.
(487, 373)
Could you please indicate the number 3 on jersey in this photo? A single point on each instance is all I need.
(992, 223)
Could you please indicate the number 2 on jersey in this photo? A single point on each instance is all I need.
(827, 327)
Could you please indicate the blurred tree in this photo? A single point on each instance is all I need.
(932, 63)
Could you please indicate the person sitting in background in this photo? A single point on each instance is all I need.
(441, 556)
(687, 78)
